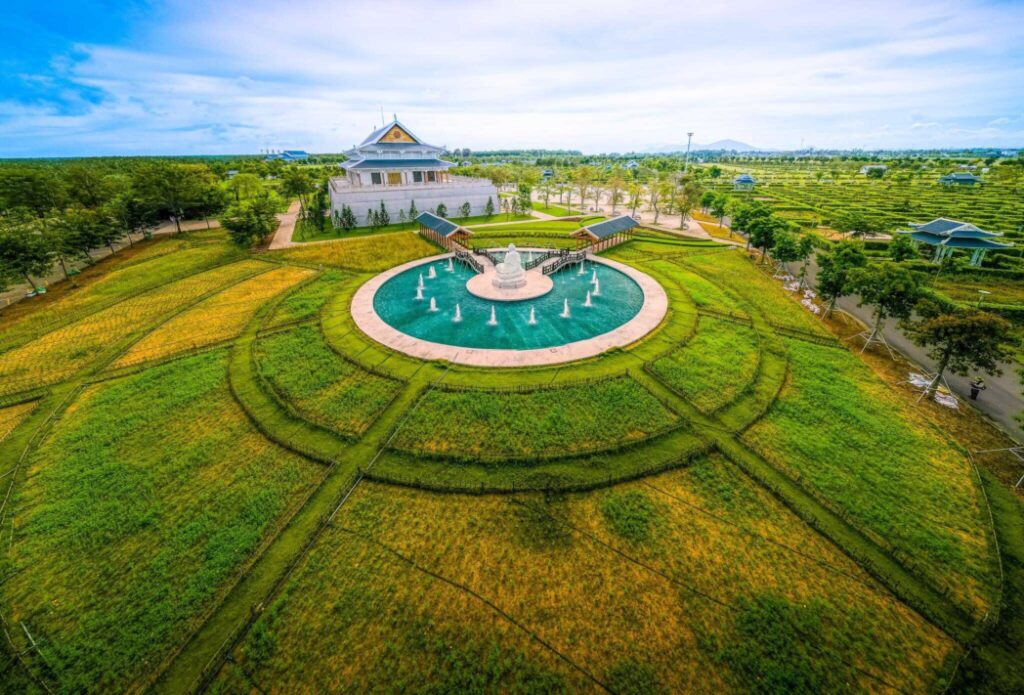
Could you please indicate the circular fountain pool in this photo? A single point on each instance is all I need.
(624, 305)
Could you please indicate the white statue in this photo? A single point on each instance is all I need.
(509, 274)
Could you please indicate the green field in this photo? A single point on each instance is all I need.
(216, 482)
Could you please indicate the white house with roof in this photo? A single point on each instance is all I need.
(395, 168)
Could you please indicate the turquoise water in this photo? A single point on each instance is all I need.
(621, 298)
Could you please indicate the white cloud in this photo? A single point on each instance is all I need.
(598, 76)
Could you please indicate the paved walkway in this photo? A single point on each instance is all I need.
(283, 236)
(647, 319)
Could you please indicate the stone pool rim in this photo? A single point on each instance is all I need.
(648, 318)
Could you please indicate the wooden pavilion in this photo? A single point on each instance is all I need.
(444, 232)
(603, 235)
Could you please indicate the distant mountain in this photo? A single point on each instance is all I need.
(716, 145)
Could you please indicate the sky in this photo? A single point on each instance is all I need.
(89, 77)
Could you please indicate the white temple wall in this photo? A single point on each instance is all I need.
(453, 195)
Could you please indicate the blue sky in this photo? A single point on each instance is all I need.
(86, 77)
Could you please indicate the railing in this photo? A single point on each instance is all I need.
(467, 258)
(493, 257)
(539, 258)
(564, 258)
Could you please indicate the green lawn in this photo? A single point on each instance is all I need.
(713, 368)
(840, 431)
(493, 426)
(321, 386)
(133, 519)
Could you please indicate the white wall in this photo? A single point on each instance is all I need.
(453, 195)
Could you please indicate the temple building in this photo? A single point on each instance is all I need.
(395, 168)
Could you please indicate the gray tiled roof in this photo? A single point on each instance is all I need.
(439, 224)
(615, 225)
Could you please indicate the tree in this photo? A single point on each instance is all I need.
(707, 200)
(834, 270)
(855, 223)
(804, 248)
(171, 188)
(465, 209)
(761, 233)
(715, 171)
(636, 196)
(785, 247)
(33, 188)
(252, 221)
(523, 199)
(901, 248)
(685, 198)
(961, 340)
(24, 250)
(719, 206)
(489, 207)
(371, 218)
(413, 212)
(383, 217)
(297, 183)
(348, 218)
(584, 177)
(129, 213)
(245, 185)
(616, 186)
(442, 210)
(892, 290)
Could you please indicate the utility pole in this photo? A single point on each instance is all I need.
(686, 164)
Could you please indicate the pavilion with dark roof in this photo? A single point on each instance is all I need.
(743, 182)
(959, 178)
(442, 231)
(602, 235)
(946, 235)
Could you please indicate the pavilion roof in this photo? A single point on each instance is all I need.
(444, 227)
(603, 230)
(744, 178)
(955, 234)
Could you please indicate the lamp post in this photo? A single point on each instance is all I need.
(686, 163)
(981, 295)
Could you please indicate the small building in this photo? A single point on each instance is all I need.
(602, 235)
(442, 231)
(946, 235)
(289, 156)
(231, 173)
(632, 164)
(959, 178)
(394, 168)
(547, 174)
(465, 163)
(868, 168)
(744, 182)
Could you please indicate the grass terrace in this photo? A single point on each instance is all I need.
(735, 501)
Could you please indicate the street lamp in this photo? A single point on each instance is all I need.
(686, 164)
(981, 295)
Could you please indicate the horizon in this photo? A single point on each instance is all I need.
(176, 79)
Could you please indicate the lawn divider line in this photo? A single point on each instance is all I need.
(876, 560)
(257, 588)
(487, 602)
(817, 561)
(675, 581)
